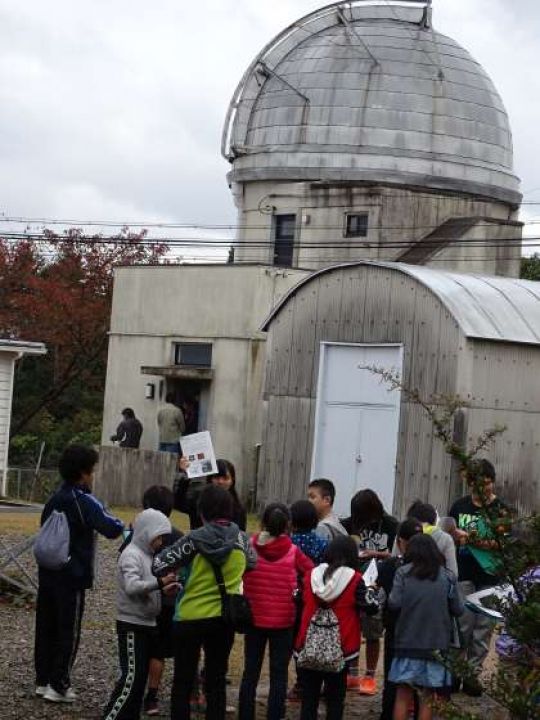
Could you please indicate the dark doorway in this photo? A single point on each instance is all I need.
(284, 234)
(187, 395)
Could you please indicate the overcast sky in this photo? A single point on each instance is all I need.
(114, 109)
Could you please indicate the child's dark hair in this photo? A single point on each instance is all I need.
(422, 511)
(342, 552)
(225, 467)
(159, 497)
(325, 487)
(276, 519)
(479, 469)
(366, 508)
(215, 503)
(425, 557)
(303, 516)
(409, 528)
(76, 460)
(128, 412)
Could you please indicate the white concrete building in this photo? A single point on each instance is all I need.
(10, 352)
(193, 330)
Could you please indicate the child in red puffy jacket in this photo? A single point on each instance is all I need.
(270, 588)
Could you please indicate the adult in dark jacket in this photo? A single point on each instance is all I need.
(60, 600)
(128, 433)
(187, 492)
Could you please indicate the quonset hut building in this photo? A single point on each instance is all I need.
(358, 135)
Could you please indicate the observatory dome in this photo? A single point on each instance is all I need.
(362, 92)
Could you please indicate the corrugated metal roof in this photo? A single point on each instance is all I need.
(484, 306)
(360, 91)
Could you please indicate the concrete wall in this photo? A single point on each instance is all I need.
(155, 307)
(397, 216)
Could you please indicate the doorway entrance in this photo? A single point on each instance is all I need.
(356, 421)
(191, 397)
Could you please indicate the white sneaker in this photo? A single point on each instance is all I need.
(71, 694)
(40, 690)
(51, 695)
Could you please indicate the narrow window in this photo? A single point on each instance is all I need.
(195, 354)
(284, 232)
(356, 225)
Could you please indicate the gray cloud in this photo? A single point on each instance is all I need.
(115, 110)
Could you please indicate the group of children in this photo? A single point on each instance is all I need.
(301, 575)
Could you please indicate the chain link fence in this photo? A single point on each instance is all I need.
(27, 485)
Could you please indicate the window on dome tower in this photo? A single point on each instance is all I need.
(356, 224)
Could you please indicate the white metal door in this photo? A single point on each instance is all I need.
(356, 421)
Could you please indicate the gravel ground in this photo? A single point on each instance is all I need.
(96, 667)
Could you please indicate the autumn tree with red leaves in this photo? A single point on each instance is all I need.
(58, 290)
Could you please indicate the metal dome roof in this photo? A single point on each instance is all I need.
(365, 92)
(486, 307)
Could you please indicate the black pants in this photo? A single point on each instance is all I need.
(59, 612)
(389, 688)
(335, 686)
(216, 639)
(134, 643)
(280, 648)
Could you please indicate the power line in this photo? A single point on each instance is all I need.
(345, 244)
(309, 227)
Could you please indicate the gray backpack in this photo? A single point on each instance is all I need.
(51, 547)
(322, 650)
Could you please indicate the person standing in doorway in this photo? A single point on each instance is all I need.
(171, 426)
(128, 433)
(61, 593)
(476, 515)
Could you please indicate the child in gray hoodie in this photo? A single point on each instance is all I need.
(138, 604)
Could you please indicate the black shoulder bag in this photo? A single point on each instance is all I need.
(235, 608)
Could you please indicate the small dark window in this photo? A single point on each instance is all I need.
(356, 225)
(284, 232)
(196, 354)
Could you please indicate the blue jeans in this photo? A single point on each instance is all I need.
(280, 647)
(170, 447)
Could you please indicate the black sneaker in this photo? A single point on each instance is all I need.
(151, 706)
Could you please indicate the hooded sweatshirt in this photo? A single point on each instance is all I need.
(270, 587)
(217, 543)
(345, 593)
(138, 598)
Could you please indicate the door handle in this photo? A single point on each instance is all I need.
(359, 458)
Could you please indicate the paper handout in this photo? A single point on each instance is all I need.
(199, 451)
